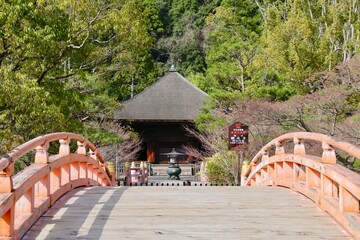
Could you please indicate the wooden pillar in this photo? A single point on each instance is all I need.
(41, 155)
(81, 148)
(7, 224)
(279, 148)
(64, 148)
(6, 182)
(151, 152)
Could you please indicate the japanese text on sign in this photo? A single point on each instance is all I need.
(238, 135)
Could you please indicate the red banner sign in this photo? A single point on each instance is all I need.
(238, 135)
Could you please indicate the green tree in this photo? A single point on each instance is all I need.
(232, 45)
(184, 43)
(26, 110)
(72, 53)
(302, 37)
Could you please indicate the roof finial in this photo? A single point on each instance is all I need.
(172, 68)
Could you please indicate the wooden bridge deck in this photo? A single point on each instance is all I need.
(185, 213)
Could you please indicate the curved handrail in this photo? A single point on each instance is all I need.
(27, 195)
(331, 141)
(23, 149)
(331, 186)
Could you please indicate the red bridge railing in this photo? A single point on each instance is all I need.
(27, 195)
(331, 186)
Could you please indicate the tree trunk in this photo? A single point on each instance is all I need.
(242, 80)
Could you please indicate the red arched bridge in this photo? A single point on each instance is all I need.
(312, 197)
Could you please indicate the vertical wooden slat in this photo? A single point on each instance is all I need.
(42, 190)
(65, 174)
(74, 171)
(55, 180)
(347, 201)
(83, 170)
(90, 171)
(313, 178)
(7, 223)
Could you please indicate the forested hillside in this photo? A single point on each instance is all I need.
(286, 65)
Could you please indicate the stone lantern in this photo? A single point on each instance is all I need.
(173, 170)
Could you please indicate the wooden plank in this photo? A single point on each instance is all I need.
(185, 213)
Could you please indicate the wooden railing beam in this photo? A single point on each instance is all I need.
(40, 185)
(331, 186)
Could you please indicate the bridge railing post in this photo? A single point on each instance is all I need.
(41, 155)
(64, 148)
(328, 155)
(6, 182)
(279, 166)
(81, 149)
(7, 220)
(299, 147)
(93, 170)
(279, 148)
(42, 187)
(264, 155)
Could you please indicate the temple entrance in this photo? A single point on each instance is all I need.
(143, 152)
(162, 137)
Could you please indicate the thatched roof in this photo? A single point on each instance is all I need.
(171, 98)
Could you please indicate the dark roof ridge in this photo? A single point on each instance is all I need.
(190, 83)
(172, 97)
(145, 90)
(163, 78)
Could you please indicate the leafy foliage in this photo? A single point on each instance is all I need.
(26, 110)
(65, 65)
(217, 168)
